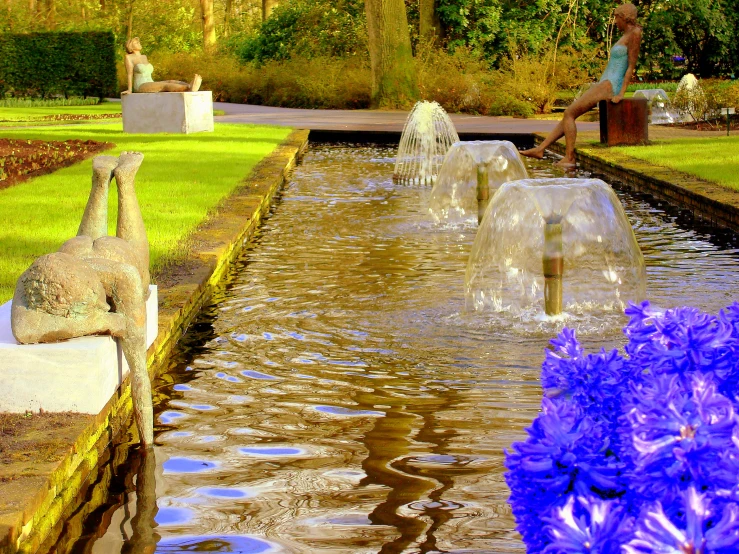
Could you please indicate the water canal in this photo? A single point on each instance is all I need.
(336, 398)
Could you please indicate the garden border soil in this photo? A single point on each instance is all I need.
(35, 504)
(707, 200)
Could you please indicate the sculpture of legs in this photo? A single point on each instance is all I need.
(94, 222)
(171, 86)
(591, 97)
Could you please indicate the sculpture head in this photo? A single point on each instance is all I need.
(133, 45)
(625, 15)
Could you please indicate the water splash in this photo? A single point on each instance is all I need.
(427, 136)
(603, 267)
(470, 174)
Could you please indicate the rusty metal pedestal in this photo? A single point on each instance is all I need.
(624, 123)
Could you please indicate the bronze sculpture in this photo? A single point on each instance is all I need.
(96, 284)
(139, 70)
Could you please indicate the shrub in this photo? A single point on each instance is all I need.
(46, 64)
(13, 102)
(306, 28)
(636, 453)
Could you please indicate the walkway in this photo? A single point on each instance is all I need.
(375, 120)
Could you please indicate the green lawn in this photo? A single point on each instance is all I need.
(30, 114)
(10, 117)
(714, 159)
(183, 177)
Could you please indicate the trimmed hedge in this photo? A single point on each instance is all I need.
(45, 64)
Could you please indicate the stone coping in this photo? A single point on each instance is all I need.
(707, 200)
(38, 498)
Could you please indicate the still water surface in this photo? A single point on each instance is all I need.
(336, 398)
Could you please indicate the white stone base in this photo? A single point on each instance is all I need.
(77, 375)
(167, 112)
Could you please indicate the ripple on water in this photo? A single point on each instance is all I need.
(174, 516)
(226, 493)
(272, 451)
(215, 543)
(257, 375)
(337, 410)
(188, 465)
(170, 416)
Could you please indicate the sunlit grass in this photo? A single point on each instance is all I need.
(28, 113)
(182, 179)
(714, 159)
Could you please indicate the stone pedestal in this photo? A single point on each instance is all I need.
(624, 123)
(167, 112)
(77, 375)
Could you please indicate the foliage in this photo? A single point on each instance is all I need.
(317, 82)
(182, 181)
(45, 64)
(667, 86)
(14, 102)
(474, 24)
(636, 453)
(702, 31)
(703, 103)
(307, 28)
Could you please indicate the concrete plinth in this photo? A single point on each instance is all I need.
(77, 375)
(624, 123)
(167, 112)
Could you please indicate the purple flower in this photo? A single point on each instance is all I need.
(679, 436)
(591, 526)
(702, 530)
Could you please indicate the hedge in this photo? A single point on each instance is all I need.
(67, 63)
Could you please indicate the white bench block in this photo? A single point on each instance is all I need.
(167, 112)
(76, 375)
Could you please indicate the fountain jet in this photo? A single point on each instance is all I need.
(563, 245)
(471, 173)
(427, 135)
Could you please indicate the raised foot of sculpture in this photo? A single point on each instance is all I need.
(533, 153)
(196, 82)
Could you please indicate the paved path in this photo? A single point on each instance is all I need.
(376, 120)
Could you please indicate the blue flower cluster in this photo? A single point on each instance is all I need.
(635, 454)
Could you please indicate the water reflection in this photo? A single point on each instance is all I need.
(337, 398)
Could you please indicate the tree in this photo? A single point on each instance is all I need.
(209, 26)
(429, 25)
(393, 76)
(267, 7)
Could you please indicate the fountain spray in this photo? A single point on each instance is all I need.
(483, 191)
(553, 264)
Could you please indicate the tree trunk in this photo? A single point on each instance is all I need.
(393, 74)
(209, 28)
(429, 25)
(50, 14)
(129, 22)
(267, 7)
(227, 18)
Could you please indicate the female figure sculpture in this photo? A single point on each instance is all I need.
(96, 284)
(139, 70)
(612, 86)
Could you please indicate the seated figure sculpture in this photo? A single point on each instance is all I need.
(96, 284)
(139, 70)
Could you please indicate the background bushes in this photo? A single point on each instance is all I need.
(68, 64)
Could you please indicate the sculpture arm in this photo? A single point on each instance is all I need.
(32, 326)
(129, 73)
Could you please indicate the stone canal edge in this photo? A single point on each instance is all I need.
(34, 508)
(706, 200)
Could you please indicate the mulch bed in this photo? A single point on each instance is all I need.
(35, 437)
(23, 159)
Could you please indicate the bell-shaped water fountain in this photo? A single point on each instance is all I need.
(554, 245)
(427, 135)
(471, 173)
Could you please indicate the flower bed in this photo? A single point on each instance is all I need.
(638, 453)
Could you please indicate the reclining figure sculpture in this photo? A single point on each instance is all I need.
(96, 284)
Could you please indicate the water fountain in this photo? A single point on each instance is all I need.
(427, 135)
(471, 173)
(560, 244)
(660, 108)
